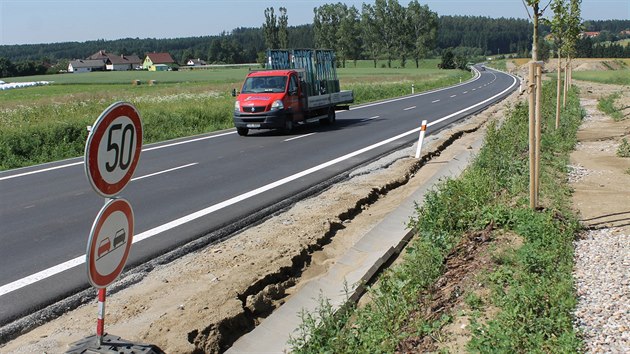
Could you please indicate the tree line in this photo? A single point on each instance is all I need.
(385, 30)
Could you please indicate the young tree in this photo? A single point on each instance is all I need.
(371, 32)
(537, 14)
(388, 15)
(558, 30)
(283, 30)
(572, 33)
(349, 35)
(423, 25)
(326, 24)
(270, 29)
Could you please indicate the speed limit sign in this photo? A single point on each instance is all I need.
(113, 149)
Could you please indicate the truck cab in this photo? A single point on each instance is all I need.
(269, 99)
(299, 86)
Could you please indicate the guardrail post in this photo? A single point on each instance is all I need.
(423, 129)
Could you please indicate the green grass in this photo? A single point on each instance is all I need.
(534, 291)
(615, 77)
(47, 123)
(607, 105)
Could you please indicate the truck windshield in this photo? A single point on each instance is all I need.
(260, 84)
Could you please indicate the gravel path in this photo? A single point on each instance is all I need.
(602, 277)
(602, 256)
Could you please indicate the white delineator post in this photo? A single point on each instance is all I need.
(421, 138)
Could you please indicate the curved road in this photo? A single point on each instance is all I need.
(187, 188)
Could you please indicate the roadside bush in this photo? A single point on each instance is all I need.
(624, 148)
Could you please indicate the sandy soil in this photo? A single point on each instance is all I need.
(204, 301)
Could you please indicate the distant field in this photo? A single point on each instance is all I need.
(616, 77)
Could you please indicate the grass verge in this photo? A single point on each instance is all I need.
(533, 286)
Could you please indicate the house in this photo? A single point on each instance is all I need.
(157, 58)
(115, 62)
(86, 66)
(196, 62)
(159, 67)
(122, 63)
(589, 34)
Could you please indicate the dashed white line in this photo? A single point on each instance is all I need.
(434, 101)
(453, 96)
(165, 171)
(143, 150)
(465, 92)
(366, 119)
(409, 108)
(42, 170)
(299, 137)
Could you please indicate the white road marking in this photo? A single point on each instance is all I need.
(409, 108)
(453, 96)
(33, 278)
(188, 141)
(366, 119)
(435, 101)
(42, 170)
(144, 149)
(165, 171)
(465, 92)
(299, 137)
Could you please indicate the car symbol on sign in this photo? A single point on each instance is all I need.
(120, 237)
(104, 247)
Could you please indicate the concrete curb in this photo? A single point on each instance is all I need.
(346, 278)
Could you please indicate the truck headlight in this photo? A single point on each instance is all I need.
(277, 105)
(237, 106)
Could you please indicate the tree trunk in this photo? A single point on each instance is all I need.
(535, 39)
(558, 91)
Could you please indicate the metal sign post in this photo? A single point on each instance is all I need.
(112, 153)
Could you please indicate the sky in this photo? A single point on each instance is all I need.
(50, 21)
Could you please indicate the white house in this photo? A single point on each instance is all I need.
(195, 62)
(86, 66)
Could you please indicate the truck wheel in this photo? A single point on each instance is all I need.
(330, 119)
(242, 131)
(288, 126)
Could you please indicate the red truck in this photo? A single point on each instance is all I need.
(298, 86)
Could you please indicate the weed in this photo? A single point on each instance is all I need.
(607, 105)
(474, 301)
(624, 148)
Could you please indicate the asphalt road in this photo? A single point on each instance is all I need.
(188, 189)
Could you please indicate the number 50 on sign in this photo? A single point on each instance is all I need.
(113, 149)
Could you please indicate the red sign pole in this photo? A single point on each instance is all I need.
(100, 322)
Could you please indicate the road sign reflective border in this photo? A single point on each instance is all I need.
(113, 148)
(109, 242)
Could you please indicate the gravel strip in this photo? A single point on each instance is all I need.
(602, 279)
